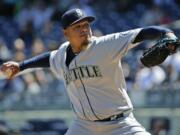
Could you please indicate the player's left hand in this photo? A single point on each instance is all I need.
(160, 51)
(172, 42)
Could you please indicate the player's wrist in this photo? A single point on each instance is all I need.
(21, 65)
(170, 35)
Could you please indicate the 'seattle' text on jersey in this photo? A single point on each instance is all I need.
(88, 71)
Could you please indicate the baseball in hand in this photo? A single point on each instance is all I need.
(8, 72)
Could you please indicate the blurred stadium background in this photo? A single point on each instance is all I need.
(36, 103)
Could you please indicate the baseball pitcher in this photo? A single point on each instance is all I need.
(91, 70)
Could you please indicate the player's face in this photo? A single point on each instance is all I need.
(79, 34)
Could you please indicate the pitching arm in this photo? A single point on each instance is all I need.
(11, 68)
(41, 60)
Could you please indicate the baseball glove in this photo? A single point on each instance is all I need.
(156, 54)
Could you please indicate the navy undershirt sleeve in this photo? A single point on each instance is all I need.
(38, 61)
(151, 33)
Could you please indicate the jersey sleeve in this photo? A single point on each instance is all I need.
(54, 63)
(117, 44)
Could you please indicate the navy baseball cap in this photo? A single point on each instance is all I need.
(73, 16)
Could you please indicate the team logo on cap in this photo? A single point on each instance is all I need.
(79, 12)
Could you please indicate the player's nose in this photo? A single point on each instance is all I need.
(84, 30)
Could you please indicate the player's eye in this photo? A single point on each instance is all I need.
(76, 28)
(81, 26)
(86, 25)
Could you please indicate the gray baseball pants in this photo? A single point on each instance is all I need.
(126, 125)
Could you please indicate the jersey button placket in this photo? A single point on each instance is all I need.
(79, 96)
(82, 94)
(84, 103)
(87, 106)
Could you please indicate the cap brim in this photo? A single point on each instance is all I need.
(88, 18)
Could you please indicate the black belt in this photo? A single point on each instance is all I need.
(111, 118)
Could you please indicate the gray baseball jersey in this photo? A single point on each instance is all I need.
(94, 79)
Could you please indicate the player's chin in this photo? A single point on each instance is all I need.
(85, 42)
(85, 38)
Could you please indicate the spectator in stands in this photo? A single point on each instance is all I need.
(151, 16)
(3, 130)
(41, 13)
(27, 35)
(148, 78)
(5, 53)
(24, 16)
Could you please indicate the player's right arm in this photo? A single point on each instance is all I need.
(11, 68)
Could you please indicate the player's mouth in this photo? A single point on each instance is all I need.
(84, 35)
